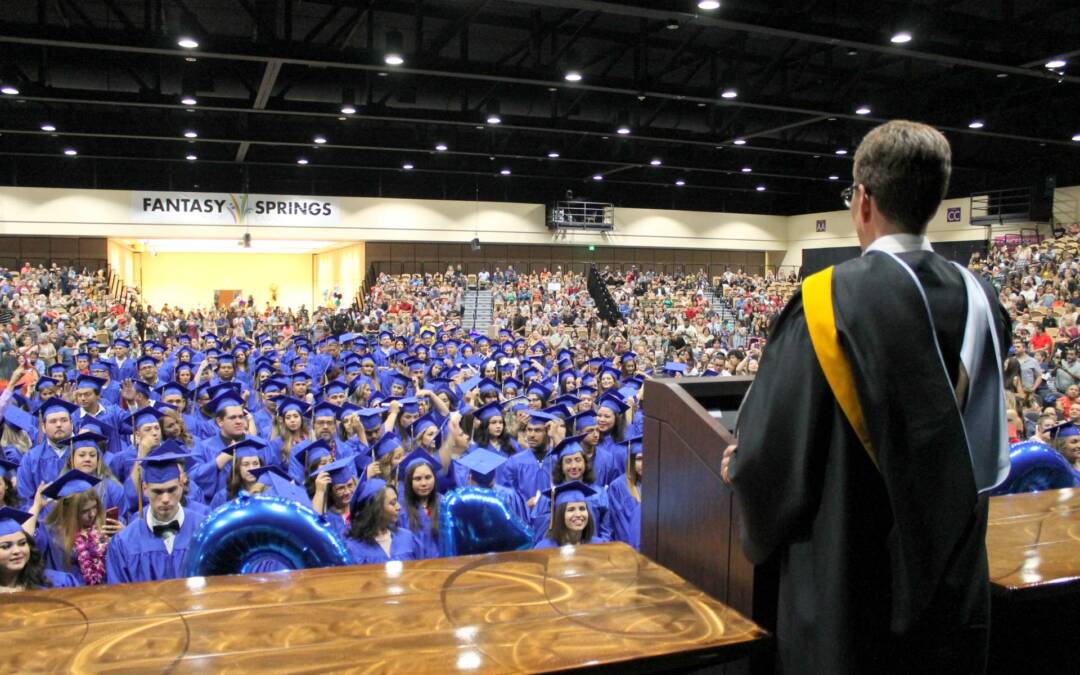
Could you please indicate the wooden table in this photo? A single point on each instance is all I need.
(1033, 543)
(531, 611)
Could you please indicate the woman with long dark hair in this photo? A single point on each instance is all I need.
(572, 522)
(247, 456)
(611, 423)
(417, 486)
(291, 428)
(22, 566)
(374, 535)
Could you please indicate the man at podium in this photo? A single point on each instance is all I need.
(872, 434)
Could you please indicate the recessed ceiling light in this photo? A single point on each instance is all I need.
(834, 177)
(192, 158)
(395, 48)
(9, 89)
(1055, 63)
(1076, 137)
(672, 24)
(407, 166)
(862, 110)
(554, 154)
(760, 188)
(48, 127)
(319, 140)
(301, 161)
(188, 99)
(841, 151)
(70, 152)
(656, 161)
(1002, 75)
(190, 59)
(187, 42)
(394, 60)
(680, 182)
(746, 169)
(383, 73)
(505, 172)
(441, 147)
(191, 134)
(572, 76)
(348, 109)
(739, 141)
(729, 93)
(598, 177)
(903, 37)
(623, 130)
(494, 119)
(708, 5)
(976, 124)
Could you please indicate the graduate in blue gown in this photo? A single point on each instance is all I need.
(481, 468)
(212, 463)
(572, 521)
(571, 464)
(86, 455)
(247, 456)
(22, 567)
(611, 424)
(44, 462)
(530, 469)
(334, 486)
(419, 496)
(373, 535)
(153, 545)
(624, 499)
(75, 534)
(276, 482)
(19, 427)
(606, 466)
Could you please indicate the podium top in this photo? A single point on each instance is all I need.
(528, 611)
(1032, 545)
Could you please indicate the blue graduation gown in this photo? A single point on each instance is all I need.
(624, 514)
(61, 579)
(402, 547)
(540, 518)
(264, 422)
(52, 552)
(41, 463)
(206, 472)
(425, 543)
(617, 453)
(548, 543)
(137, 555)
(336, 522)
(606, 468)
(527, 475)
(131, 496)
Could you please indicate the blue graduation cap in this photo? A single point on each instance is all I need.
(287, 403)
(671, 369)
(11, 520)
(20, 419)
(91, 423)
(334, 387)
(414, 458)
(301, 376)
(482, 464)
(627, 357)
(560, 411)
(146, 361)
(582, 420)
(247, 447)
(57, 369)
(174, 389)
(147, 415)
(1064, 430)
(7, 468)
(569, 446)
(613, 402)
(568, 400)
(634, 443)
(121, 342)
(226, 358)
(400, 378)
(341, 471)
(86, 439)
(568, 493)
(224, 400)
(273, 385)
(325, 409)
(487, 386)
(363, 494)
(386, 444)
(370, 418)
(540, 417)
(486, 412)
(312, 452)
(277, 480)
(410, 405)
(71, 483)
(54, 406)
(539, 390)
(422, 424)
(514, 383)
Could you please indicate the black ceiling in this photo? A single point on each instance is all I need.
(270, 75)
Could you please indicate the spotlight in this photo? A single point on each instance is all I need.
(708, 5)
(1076, 138)
(656, 161)
(747, 169)
(493, 116)
(598, 178)
(680, 182)
(191, 134)
(1055, 64)
(9, 89)
(976, 124)
(624, 124)
(760, 188)
(407, 166)
(834, 177)
(729, 93)
(348, 102)
(903, 37)
(672, 24)
(505, 172)
(70, 152)
(302, 161)
(441, 147)
(191, 158)
(48, 127)
(319, 140)
(862, 110)
(348, 109)
(572, 76)
(187, 42)
(554, 154)
(841, 151)
(395, 49)
(739, 141)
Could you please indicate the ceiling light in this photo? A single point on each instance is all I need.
(188, 99)
(746, 169)
(903, 37)
(348, 109)
(70, 152)
(729, 93)
(191, 134)
(622, 130)
(395, 49)
(48, 127)
(572, 76)
(505, 172)
(680, 182)
(493, 116)
(862, 110)
(192, 158)
(656, 161)
(760, 188)
(1002, 75)
(739, 141)
(187, 42)
(554, 154)
(319, 140)
(624, 124)
(672, 24)
(407, 166)
(841, 151)
(598, 177)
(9, 89)
(834, 177)
(1076, 137)
(708, 5)
(1055, 64)
(975, 124)
(301, 161)
(441, 147)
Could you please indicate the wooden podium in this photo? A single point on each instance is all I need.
(689, 517)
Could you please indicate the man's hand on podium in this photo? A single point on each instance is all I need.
(725, 464)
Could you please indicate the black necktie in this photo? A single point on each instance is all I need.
(160, 530)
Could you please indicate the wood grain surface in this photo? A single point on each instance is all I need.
(1033, 542)
(527, 611)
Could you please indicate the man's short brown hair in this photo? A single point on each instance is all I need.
(905, 167)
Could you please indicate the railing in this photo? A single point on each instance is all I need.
(581, 215)
(999, 207)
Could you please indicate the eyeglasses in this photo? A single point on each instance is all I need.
(848, 194)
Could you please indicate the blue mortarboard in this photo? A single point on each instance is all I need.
(417, 456)
(20, 419)
(597, 361)
(226, 399)
(325, 409)
(487, 386)
(1064, 430)
(312, 452)
(614, 372)
(121, 342)
(560, 411)
(301, 376)
(583, 420)
(573, 491)
(57, 368)
(482, 464)
(539, 390)
(54, 406)
(370, 418)
(226, 358)
(568, 400)
(513, 382)
(635, 445)
(385, 445)
(90, 423)
(102, 365)
(273, 385)
(422, 423)
(586, 391)
(218, 389)
(275, 477)
(341, 471)
(147, 415)
(671, 368)
(628, 391)
(627, 356)
(146, 360)
(540, 417)
(366, 492)
(248, 447)
(410, 405)
(334, 387)
(287, 403)
(71, 483)
(613, 403)
(486, 412)
(400, 378)
(90, 382)
(569, 446)
(11, 520)
(86, 439)
(83, 356)
(172, 388)
(7, 468)
(45, 381)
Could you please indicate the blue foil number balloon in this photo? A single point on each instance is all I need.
(257, 533)
(1036, 467)
(474, 520)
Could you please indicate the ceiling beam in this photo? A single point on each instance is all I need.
(262, 97)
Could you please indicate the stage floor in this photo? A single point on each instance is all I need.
(1033, 542)
(527, 611)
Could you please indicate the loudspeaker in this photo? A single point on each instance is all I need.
(1042, 200)
(475, 244)
(247, 240)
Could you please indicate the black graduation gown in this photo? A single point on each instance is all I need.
(880, 571)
